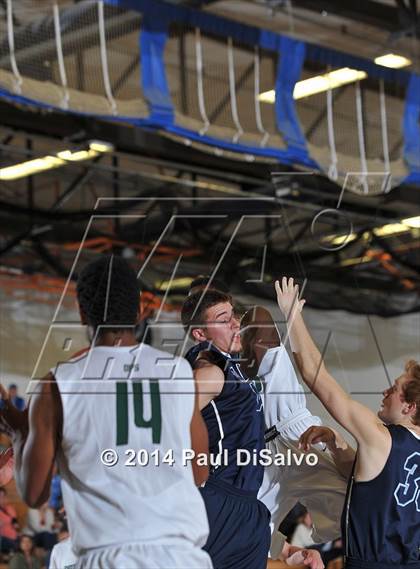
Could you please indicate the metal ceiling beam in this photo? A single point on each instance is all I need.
(366, 11)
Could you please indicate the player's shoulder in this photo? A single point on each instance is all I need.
(159, 357)
(206, 358)
(78, 356)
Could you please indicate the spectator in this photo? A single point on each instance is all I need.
(8, 524)
(25, 558)
(15, 399)
(40, 525)
(302, 536)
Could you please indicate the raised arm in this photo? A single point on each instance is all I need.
(360, 421)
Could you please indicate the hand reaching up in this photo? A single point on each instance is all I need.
(288, 298)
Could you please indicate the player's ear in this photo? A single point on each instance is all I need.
(198, 335)
(410, 409)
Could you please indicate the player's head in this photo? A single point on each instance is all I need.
(202, 281)
(12, 390)
(259, 334)
(211, 317)
(401, 402)
(108, 294)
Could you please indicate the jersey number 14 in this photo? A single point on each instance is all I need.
(155, 421)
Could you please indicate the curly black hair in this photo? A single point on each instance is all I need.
(108, 293)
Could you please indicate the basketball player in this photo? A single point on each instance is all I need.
(320, 488)
(381, 520)
(94, 413)
(232, 409)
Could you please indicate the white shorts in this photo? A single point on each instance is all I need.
(321, 488)
(171, 554)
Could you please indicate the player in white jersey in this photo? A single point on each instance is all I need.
(320, 488)
(125, 508)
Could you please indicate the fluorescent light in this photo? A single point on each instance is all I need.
(381, 231)
(319, 84)
(181, 282)
(412, 222)
(267, 96)
(37, 165)
(393, 60)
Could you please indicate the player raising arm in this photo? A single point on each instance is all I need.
(381, 521)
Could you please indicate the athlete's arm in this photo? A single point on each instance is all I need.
(360, 421)
(35, 451)
(209, 379)
(199, 444)
(342, 453)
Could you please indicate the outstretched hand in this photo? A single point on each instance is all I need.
(315, 435)
(288, 297)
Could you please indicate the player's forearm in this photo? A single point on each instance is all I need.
(343, 455)
(305, 351)
(312, 367)
(32, 480)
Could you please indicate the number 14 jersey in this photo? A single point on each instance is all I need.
(126, 424)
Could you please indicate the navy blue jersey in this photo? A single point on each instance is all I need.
(381, 519)
(235, 420)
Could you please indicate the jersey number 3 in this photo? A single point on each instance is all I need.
(155, 421)
(409, 491)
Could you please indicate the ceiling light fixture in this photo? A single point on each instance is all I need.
(412, 222)
(319, 84)
(30, 167)
(382, 231)
(393, 61)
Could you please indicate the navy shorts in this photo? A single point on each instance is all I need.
(240, 533)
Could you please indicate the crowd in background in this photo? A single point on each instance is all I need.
(28, 545)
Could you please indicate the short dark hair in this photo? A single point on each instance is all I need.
(201, 281)
(108, 292)
(195, 306)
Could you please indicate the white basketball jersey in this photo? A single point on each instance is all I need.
(134, 403)
(283, 394)
(62, 556)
